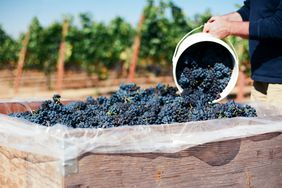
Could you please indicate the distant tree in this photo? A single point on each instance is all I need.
(164, 26)
(155, 32)
(35, 49)
(97, 47)
(9, 49)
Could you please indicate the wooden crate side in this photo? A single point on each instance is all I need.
(252, 162)
(26, 170)
(10, 107)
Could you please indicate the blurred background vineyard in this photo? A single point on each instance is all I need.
(94, 57)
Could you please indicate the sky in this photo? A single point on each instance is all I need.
(15, 15)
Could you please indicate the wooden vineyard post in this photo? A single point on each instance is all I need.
(136, 49)
(61, 58)
(241, 87)
(21, 60)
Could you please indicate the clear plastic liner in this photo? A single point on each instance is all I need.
(63, 143)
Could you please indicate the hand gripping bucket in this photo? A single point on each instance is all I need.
(191, 40)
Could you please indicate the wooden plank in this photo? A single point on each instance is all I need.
(10, 107)
(27, 170)
(61, 58)
(21, 61)
(251, 162)
(237, 163)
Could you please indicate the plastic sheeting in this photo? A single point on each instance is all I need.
(65, 143)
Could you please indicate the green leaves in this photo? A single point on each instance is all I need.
(165, 23)
(43, 46)
(8, 50)
(96, 47)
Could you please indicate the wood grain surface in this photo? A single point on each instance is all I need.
(251, 162)
(20, 169)
(235, 163)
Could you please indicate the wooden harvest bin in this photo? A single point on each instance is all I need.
(245, 161)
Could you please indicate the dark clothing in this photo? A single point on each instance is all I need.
(265, 38)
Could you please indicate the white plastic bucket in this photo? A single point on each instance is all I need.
(189, 40)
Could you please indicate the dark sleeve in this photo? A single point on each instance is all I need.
(270, 27)
(244, 11)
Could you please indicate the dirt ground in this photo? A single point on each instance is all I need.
(76, 86)
(34, 93)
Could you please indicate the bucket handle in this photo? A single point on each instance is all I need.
(188, 34)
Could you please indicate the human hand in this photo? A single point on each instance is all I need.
(213, 18)
(218, 27)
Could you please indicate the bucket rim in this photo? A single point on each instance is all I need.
(205, 37)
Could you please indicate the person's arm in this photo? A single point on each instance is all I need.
(264, 28)
(221, 28)
(269, 27)
(234, 23)
(244, 11)
(233, 16)
(242, 14)
(240, 29)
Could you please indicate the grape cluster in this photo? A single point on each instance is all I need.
(131, 105)
(206, 68)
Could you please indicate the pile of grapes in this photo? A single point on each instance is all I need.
(130, 105)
